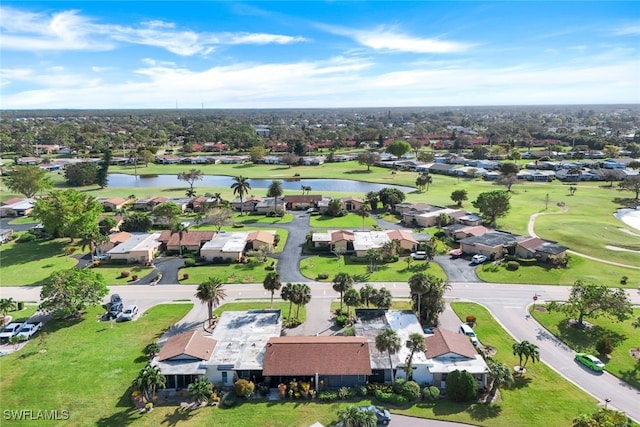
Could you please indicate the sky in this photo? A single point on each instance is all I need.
(316, 54)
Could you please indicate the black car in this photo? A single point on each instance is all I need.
(115, 308)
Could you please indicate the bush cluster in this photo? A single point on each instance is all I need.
(373, 387)
(189, 262)
(341, 320)
(431, 393)
(26, 237)
(328, 396)
(393, 398)
(512, 265)
(322, 276)
(244, 388)
(408, 389)
(125, 273)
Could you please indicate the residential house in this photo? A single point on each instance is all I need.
(261, 239)
(22, 207)
(359, 242)
(405, 238)
(140, 248)
(493, 244)
(191, 240)
(114, 203)
(462, 231)
(148, 204)
(268, 204)
(352, 204)
(428, 217)
(115, 239)
(301, 202)
(402, 208)
(181, 357)
(448, 351)
(248, 203)
(333, 361)
(232, 245)
(534, 247)
(29, 161)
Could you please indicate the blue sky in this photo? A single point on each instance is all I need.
(232, 54)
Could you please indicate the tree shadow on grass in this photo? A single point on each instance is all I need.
(447, 407)
(625, 201)
(177, 417)
(124, 417)
(586, 338)
(358, 172)
(520, 381)
(482, 412)
(632, 376)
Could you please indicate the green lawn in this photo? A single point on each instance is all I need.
(23, 315)
(23, 264)
(623, 334)
(540, 397)
(350, 221)
(578, 268)
(113, 276)
(397, 271)
(252, 272)
(284, 234)
(84, 366)
(261, 219)
(23, 220)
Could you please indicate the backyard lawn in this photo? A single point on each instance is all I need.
(534, 396)
(624, 336)
(397, 271)
(578, 268)
(84, 366)
(29, 263)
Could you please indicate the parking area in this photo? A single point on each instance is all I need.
(457, 269)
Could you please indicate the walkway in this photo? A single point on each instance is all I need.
(532, 233)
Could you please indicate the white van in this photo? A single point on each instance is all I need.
(468, 331)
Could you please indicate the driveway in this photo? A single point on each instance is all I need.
(458, 269)
(289, 258)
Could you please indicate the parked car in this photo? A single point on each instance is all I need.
(419, 255)
(116, 298)
(468, 331)
(28, 330)
(590, 361)
(129, 313)
(456, 253)
(478, 259)
(115, 308)
(428, 330)
(9, 331)
(383, 415)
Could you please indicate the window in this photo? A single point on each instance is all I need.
(225, 377)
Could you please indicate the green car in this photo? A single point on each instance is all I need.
(590, 361)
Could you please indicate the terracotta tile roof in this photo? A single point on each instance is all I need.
(476, 230)
(12, 200)
(352, 199)
(332, 355)
(402, 235)
(116, 200)
(189, 238)
(443, 341)
(531, 243)
(337, 236)
(298, 198)
(191, 344)
(261, 236)
(120, 237)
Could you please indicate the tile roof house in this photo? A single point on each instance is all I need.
(299, 201)
(335, 360)
(248, 203)
(534, 247)
(259, 238)
(359, 242)
(493, 244)
(191, 240)
(114, 203)
(181, 356)
(21, 207)
(141, 247)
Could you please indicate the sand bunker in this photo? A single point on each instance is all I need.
(631, 217)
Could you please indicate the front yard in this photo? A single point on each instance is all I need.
(251, 272)
(398, 271)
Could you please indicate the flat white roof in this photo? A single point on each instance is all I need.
(365, 240)
(227, 242)
(138, 242)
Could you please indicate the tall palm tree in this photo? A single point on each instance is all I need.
(382, 298)
(526, 350)
(93, 239)
(275, 191)
(419, 285)
(272, 283)
(366, 294)
(499, 375)
(414, 344)
(388, 341)
(241, 187)
(351, 299)
(149, 379)
(430, 290)
(212, 293)
(363, 211)
(300, 295)
(286, 294)
(342, 282)
(179, 228)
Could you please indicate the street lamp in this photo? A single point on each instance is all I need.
(606, 402)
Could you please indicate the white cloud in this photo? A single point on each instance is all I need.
(629, 29)
(392, 39)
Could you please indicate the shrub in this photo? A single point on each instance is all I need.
(134, 277)
(604, 345)
(70, 250)
(361, 391)
(393, 398)
(398, 384)
(409, 389)
(372, 388)
(343, 393)
(322, 276)
(189, 262)
(461, 386)
(238, 225)
(125, 273)
(512, 265)
(244, 388)
(623, 280)
(26, 237)
(185, 276)
(471, 320)
(431, 393)
(341, 320)
(328, 396)
(349, 331)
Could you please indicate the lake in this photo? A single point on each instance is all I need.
(117, 180)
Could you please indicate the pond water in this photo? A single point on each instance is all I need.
(117, 180)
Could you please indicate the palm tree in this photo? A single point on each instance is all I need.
(364, 211)
(286, 294)
(526, 350)
(414, 344)
(149, 379)
(211, 292)
(431, 289)
(275, 191)
(301, 295)
(272, 283)
(351, 299)
(201, 389)
(342, 282)
(352, 416)
(93, 239)
(241, 188)
(388, 341)
(366, 294)
(499, 375)
(6, 305)
(419, 285)
(382, 298)
(179, 228)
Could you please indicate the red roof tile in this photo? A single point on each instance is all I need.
(191, 344)
(443, 341)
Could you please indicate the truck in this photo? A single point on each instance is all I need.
(9, 331)
(28, 330)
